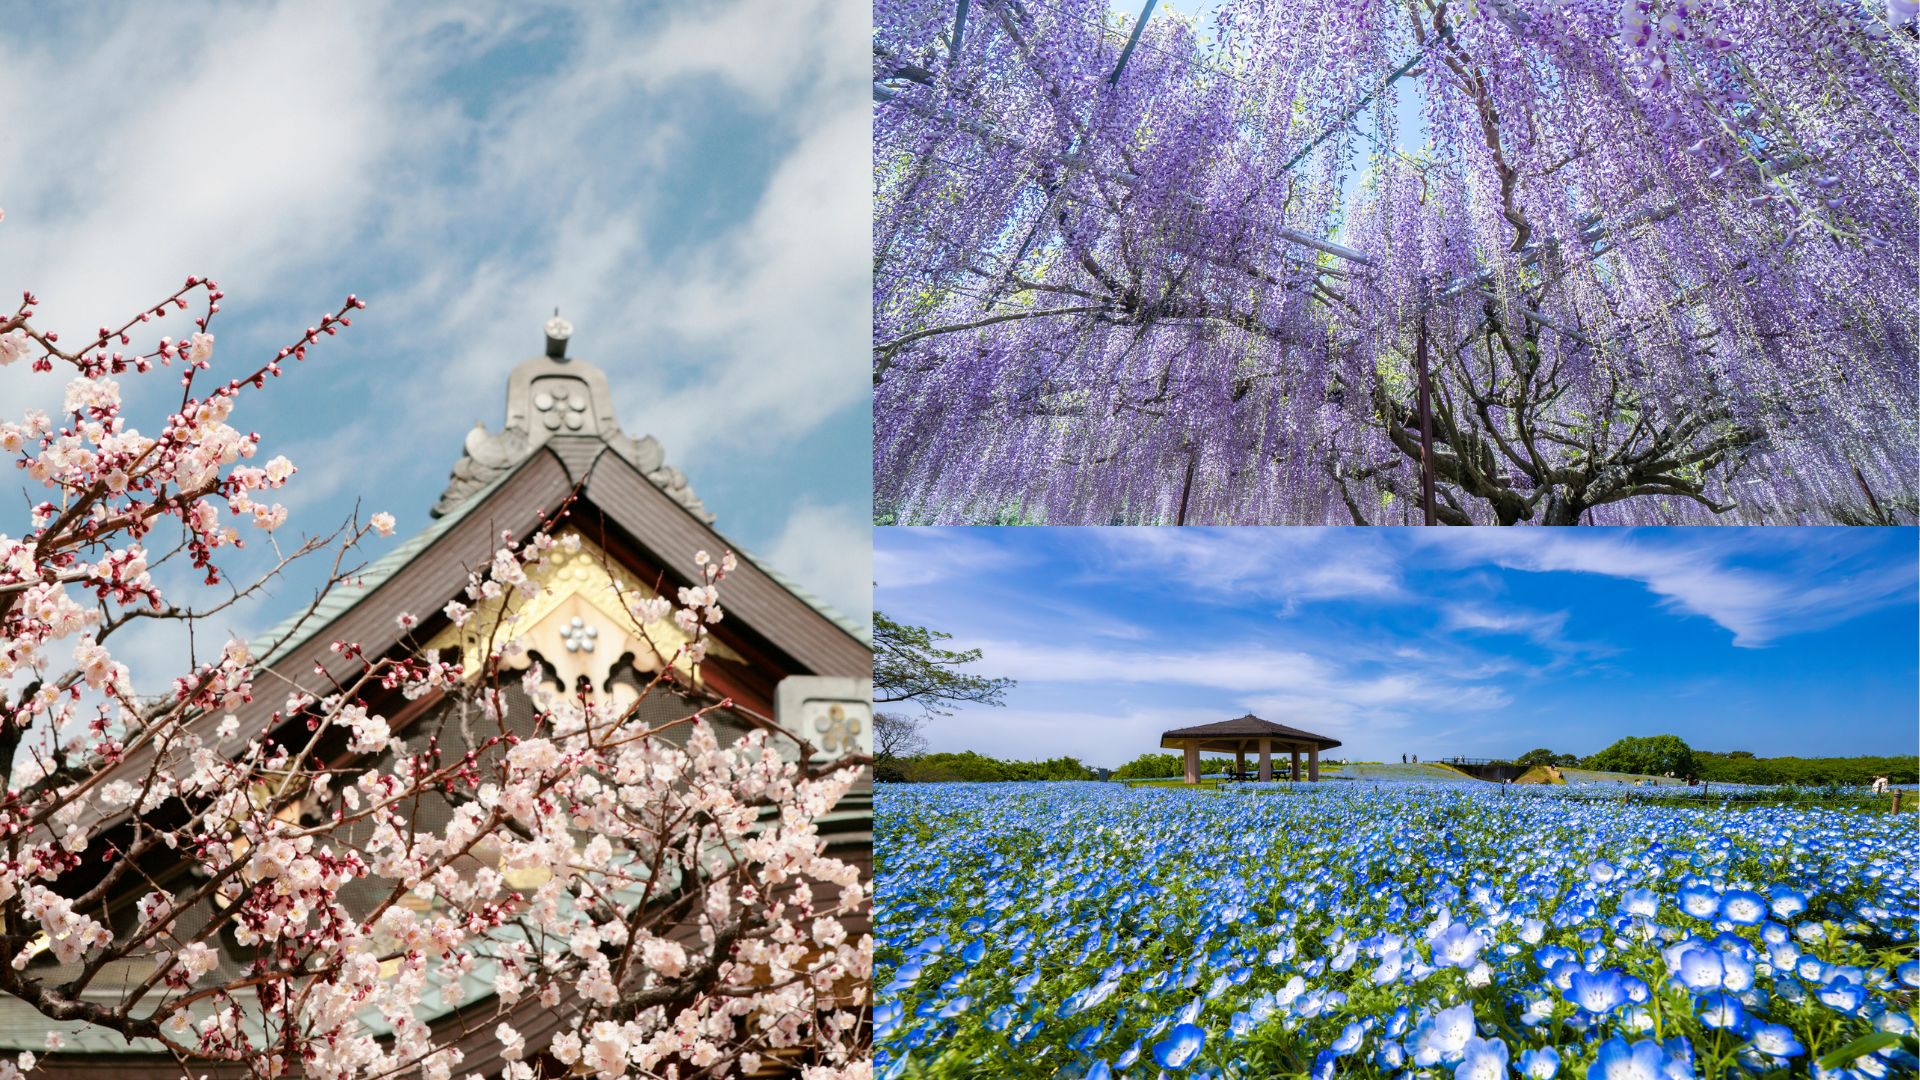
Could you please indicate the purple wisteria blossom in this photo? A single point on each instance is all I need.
(1659, 258)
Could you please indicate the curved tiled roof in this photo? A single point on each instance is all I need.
(1249, 727)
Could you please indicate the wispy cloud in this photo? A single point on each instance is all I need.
(1289, 565)
(913, 557)
(1705, 576)
(1289, 686)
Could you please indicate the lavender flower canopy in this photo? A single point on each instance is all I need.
(1659, 257)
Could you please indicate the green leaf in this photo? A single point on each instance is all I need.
(1860, 1047)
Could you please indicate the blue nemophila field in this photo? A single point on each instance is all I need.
(1089, 930)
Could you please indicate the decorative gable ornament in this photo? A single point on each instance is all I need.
(555, 397)
(580, 624)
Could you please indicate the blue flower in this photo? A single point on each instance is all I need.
(1442, 1037)
(1699, 967)
(1786, 902)
(1721, 1011)
(1645, 1060)
(1776, 1040)
(1100, 1071)
(1597, 992)
(1642, 902)
(1843, 995)
(1700, 900)
(1457, 946)
(1179, 1047)
(1349, 1039)
(1540, 1064)
(975, 951)
(1482, 1059)
(1743, 908)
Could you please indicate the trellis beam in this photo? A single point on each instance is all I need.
(959, 31)
(1126, 53)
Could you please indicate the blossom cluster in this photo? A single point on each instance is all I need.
(319, 873)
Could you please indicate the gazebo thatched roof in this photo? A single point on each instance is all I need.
(1248, 729)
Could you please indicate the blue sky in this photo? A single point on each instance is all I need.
(688, 183)
(1481, 642)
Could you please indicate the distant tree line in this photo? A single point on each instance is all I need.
(967, 765)
(1661, 755)
(1740, 767)
(1157, 766)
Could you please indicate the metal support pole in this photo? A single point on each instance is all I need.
(959, 30)
(1127, 53)
(1426, 422)
(1186, 486)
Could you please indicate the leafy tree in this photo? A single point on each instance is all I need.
(969, 766)
(1155, 766)
(1654, 755)
(910, 666)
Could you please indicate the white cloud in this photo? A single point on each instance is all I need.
(1698, 576)
(1495, 621)
(909, 556)
(825, 547)
(466, 168)
(1288, 565)
(1293, 687)
(1096, 738)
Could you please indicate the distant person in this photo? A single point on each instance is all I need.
(1403, 759)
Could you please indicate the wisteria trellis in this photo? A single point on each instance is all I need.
(1663, 253)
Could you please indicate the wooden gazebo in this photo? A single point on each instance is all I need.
(1248, 734)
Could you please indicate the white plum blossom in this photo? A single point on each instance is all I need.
(281, 793)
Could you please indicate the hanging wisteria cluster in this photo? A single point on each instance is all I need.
(1659, 259)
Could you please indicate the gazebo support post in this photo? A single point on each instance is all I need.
(1266, 760)
(1193, 763)
(1313, 764)
(1294, 773)
(1239, 762)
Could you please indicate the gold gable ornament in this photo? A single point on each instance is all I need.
(580, 625)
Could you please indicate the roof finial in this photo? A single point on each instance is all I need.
(558, 331)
